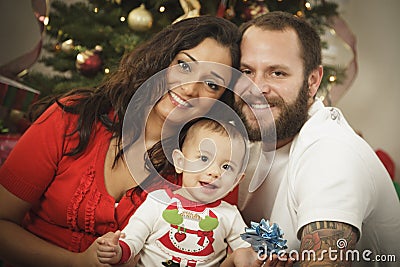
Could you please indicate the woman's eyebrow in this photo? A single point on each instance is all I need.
(189, 56)
(218, 76)
(212, 72)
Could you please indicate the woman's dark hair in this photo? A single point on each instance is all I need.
(115, 92)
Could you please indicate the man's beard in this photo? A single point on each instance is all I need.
(291, 118)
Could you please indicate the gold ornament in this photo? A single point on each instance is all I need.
(258, 10)
(140, 19)
(230, 13)
(191, 8)
(337, 52)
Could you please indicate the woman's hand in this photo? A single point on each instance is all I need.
(89, 257)
(108, 248)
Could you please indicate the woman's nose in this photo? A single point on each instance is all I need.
(191, 89)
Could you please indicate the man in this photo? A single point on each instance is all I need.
(326, 188)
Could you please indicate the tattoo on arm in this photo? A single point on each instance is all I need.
(325, 243)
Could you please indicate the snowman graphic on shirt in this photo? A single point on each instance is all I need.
(190, 237)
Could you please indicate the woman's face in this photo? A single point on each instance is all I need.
(194, 85)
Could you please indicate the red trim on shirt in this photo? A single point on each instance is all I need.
(126, 252)
(192, 205)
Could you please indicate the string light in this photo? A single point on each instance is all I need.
(308, 5)
(162, 9)
(332, 78)
(80, 58)
(106, 70)
(22, 73)
(96, 10)
(122, 19)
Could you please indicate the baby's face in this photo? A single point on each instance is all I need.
(211, 169)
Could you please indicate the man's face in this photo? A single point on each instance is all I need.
(271, 59)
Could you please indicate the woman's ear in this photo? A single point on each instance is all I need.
(179, 160)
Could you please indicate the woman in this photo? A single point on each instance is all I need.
(67, 181)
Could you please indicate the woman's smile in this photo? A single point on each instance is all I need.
(178, 101)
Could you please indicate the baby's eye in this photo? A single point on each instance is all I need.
(204, 158)
(184, 66)
(227, 167)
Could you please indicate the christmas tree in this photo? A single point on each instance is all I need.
(85, 40)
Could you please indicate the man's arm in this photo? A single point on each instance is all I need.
(325, 243)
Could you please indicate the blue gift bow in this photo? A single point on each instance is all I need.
(265, 237)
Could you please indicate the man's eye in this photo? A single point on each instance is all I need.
(184, 66)
(278, 73)
(204, 158)
(212, 85)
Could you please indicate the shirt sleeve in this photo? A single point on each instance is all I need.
(234, 239)
(32, 163)
(331, 184)
(141, 224)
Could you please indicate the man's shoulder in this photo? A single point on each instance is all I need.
(325, 123)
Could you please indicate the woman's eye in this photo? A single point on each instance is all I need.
(204, 158)
(184, 66)
(246, 71)
(212, 85)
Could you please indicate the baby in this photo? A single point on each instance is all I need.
(190, 226)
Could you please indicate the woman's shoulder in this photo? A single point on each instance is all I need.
(56, 113)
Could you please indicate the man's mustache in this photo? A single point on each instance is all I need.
(253, 101)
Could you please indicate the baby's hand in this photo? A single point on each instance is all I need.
(108, 250)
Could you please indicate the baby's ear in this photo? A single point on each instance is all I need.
(179, 159)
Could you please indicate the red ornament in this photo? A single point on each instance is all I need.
(89, 62)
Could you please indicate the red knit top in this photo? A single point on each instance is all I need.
(71, 206)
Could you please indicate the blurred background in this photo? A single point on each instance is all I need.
(50, 46)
